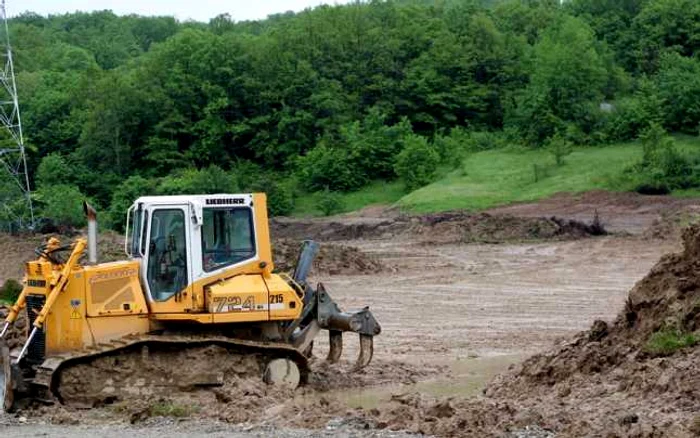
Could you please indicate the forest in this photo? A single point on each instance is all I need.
(335, 98)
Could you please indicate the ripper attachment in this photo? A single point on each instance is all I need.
(321, 312)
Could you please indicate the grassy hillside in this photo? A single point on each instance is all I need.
(499, 177)
(378, 192)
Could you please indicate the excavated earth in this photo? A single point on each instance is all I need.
(438, 228)
(459, 314)
(332, 259)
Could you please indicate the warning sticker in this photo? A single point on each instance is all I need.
(75, 312)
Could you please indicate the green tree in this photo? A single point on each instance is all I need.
(417, 163)
(559, 147)
(329, 202)
(678, 83)
(53, 170)
(211, 180)
(61, 203)
(566, 84)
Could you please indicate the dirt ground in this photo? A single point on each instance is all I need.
(455, 312)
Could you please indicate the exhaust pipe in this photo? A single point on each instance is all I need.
(91, 215)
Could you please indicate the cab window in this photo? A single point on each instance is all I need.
(167, 261)
(228, 237)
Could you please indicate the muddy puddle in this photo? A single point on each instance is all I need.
(461, 378)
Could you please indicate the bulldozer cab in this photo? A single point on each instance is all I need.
(184, 242)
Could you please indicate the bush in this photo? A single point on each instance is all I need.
(632, 115)
(329, 202)
(329, 167)
(10, 290)
(360, 152)
(417, 162)
(373, 146)
(667, 341)
(61, 203)
(559, 147)
(662, 167)
(453, 147)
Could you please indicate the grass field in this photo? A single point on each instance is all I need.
(379, 192)
(499, 177)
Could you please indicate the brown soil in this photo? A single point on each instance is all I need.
(332, 259)
(438, 228)
(604, 382)
(672, 222)
(620, 211)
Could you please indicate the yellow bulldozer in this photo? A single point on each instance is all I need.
(199, 272)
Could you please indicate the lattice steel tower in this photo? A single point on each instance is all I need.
(16, 210)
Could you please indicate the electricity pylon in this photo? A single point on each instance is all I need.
(16, 210)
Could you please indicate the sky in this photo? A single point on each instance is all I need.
(200, 10)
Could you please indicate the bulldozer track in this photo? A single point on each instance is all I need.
(47, 380)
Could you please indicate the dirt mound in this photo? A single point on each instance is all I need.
(332, 259)
(17, 333)
(450, 227)
(638, 376)
(622, 211)
(642, 371)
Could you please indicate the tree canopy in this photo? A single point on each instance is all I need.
(330, 98)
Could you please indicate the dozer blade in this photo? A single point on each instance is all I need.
(7, 395)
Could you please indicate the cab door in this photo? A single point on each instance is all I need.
(166, 265)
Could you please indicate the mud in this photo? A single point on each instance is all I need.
(450, 304)
(603, 382)
(209, 383)
(620, 212)
(671, 223)
(440, 228)
(611, 368)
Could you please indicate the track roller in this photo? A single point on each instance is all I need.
(282, 373)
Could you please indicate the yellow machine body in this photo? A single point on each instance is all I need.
(198, 274)
(107, 301)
